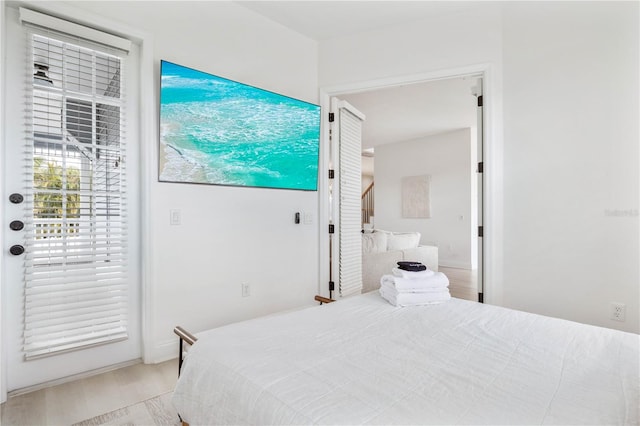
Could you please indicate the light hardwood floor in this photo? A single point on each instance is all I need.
(83, 399)
(462, 282)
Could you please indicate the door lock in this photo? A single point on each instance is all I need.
(16, 225)
(16, 250)
(16, 198)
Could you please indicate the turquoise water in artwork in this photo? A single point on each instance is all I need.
(233, 134)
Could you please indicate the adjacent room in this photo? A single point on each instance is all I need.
(425, 130)
(258, 212)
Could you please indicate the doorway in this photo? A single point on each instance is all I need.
(461, 260)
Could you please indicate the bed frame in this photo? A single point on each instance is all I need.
(187, 338)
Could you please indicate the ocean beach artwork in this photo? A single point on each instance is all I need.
(218, 131)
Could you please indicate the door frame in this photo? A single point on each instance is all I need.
(3, 240)
(492, 177)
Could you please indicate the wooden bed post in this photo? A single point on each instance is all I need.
(323, 299)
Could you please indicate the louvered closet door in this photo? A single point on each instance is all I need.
(350, 142)
(73, 293)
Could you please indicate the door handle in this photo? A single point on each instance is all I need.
(16, 250)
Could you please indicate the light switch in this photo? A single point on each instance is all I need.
(308, 218)
(174, 217)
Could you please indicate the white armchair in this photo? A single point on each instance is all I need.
(382, 249)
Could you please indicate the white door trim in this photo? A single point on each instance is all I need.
(3, 197)
(493, 167)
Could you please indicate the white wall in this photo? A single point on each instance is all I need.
(569, 75)
(461, 41)
(228, 235)
(446, 157)
(571, 159)
(455, 39)
(366, 181)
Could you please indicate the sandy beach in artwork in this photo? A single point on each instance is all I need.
(173, 162)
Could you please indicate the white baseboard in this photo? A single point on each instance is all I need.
(73, 377)
(163, 351)
(454, 264)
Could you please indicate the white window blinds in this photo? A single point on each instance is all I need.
(76, 215)
(350, 204)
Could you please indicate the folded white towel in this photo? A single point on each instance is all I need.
(392, 290)
(414, 299)
(412, 275)
(437, 280)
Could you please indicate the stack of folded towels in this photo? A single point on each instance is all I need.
(412, 284)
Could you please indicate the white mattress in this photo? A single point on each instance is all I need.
(363, 361)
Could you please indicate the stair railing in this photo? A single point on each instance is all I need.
(367, 204)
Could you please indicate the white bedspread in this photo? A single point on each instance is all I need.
(363, 361)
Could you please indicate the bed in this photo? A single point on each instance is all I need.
(362, 361)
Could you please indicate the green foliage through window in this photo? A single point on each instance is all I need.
(56, 197)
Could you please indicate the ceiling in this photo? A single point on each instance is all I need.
(408, 112)
(394, 114)
(321, 20)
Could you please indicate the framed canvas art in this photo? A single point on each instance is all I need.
(221, 132)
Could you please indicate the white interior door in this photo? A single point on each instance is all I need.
(71, 298)
(347, 135)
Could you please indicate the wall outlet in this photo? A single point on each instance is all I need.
(246, 290)
(618, 311)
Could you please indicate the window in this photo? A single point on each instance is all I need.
(76, 248)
